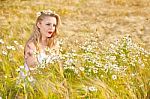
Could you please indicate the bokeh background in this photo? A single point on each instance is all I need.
(107, 18)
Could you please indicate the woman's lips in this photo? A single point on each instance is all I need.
(50, 33)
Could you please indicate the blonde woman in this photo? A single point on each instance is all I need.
(43, 45)
(44, 38)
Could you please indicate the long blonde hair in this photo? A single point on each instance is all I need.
(36, 35)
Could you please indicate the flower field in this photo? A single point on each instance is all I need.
(104, 50)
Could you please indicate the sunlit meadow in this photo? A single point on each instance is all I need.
(104, 47)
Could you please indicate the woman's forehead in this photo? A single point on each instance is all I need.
(49, 19)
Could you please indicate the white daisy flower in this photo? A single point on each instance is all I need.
(81, 68)
(4, 52)
(1, 41)
(114, 77)
(92, 88)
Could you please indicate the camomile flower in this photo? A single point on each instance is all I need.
(76, 71)
(81, 68)
(92, 89)
(16, 42)
(95, 70)
(38, 14)
(4, 52)
(10, 47)
(1, 41)
(31, 79)
(114, 77)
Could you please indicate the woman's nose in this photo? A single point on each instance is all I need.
(51, 26)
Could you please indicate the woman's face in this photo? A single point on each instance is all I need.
(47, 26)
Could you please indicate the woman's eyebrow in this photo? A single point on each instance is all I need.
(50, 22)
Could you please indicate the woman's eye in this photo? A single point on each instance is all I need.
(48, 24)
(54, 25)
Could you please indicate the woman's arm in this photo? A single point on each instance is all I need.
(30, 58)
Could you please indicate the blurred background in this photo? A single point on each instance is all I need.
(106, 18)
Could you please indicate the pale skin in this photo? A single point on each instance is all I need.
(47, 26)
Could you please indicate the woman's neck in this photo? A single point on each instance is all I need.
(44, 41)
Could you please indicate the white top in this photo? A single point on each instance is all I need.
(43, 57)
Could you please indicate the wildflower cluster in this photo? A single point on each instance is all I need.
(48, 12)
(90, 88)
(116, 63)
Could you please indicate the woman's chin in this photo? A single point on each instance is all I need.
(49, 36)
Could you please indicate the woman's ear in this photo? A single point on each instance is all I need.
(39, 25)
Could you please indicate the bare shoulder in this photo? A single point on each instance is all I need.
(30, 46)
(29, 54)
